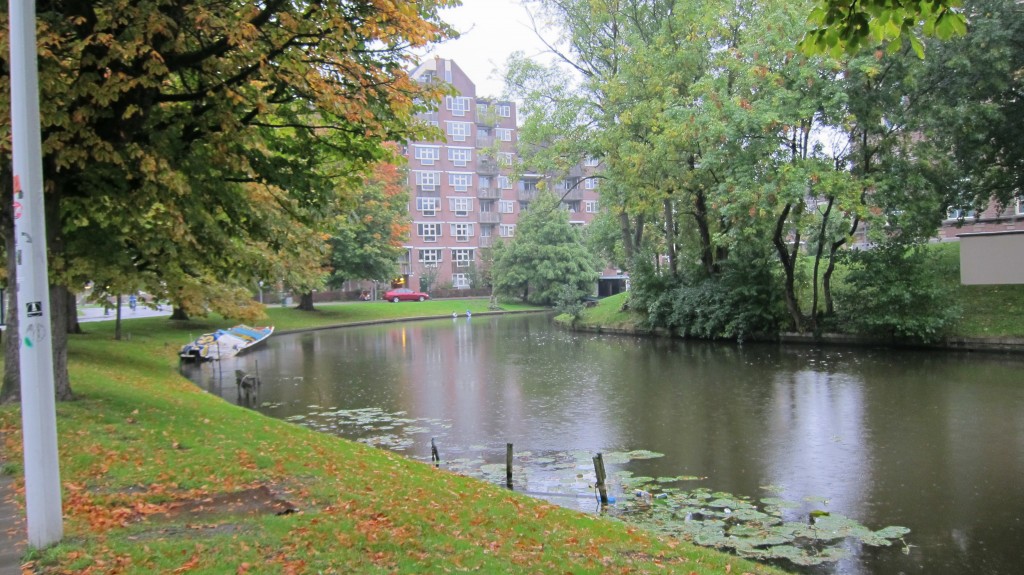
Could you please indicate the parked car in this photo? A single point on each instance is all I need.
(405, 294)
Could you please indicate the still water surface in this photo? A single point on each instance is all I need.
(933, 441)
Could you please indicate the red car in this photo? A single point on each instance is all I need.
(405, 294)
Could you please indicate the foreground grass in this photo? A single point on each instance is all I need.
(141, 443)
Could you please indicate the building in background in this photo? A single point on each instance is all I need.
(463, 195)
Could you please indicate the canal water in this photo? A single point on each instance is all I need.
(931, 441)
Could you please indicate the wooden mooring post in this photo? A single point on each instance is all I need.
(434, 456)
(599, 472)
(508, 465)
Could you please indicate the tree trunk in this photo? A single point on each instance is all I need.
(627, 236)
(670, 236)
(817, 262)
(306, 302)
(10, 390)
(117, 319)
(59, 329)
(700, 215)
(178, 313)
(72, 313)
(789, 266)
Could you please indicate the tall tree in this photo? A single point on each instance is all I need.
(179, 132)
(545, 254)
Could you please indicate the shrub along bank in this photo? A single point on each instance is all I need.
(160, 477)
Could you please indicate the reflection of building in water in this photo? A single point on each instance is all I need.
(816, 444)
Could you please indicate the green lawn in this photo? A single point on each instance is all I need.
(154, 470)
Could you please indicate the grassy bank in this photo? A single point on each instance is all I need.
(986, 311)
(160, 477)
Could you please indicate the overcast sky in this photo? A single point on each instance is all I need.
(491, 30)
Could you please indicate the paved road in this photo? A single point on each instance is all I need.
(96, 313)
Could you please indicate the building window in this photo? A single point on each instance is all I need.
(506, 206)
(458, 131)
(460, 156)
(504, 182)
(460, 206)
(459, 105)
(523, 206)
(570, 184)
(430, 256)
(481, 109)
(427, 180)
(957, 213)
(428, 206)
(507, 230)
(590, 184)
(504, 134)
(503, 110)
(427, 155)
(460, 181)
(590, 162)
(462, 258)
(1020, 207)
(460, 281)
(590, 206)
(505, 158)
(462, 232)
(571, 206)
(429, 232)
(528, 185)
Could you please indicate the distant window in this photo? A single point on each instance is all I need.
(958, 213)
(458, 131)
(462, 232)
(507, 230)
(505, 158)
(429, 232)
(427, 155)
(504, 182)
(428, 180)
(460, 156)
(462, 257)
(460, 281)
(460, 181)
(428, 206)
(591, 162)
(430, 256)
(590, 206)
(506, 206)
(460, 206)
(504, 134)
(504, 110)
(1020, 207)
(459, 105)
(590, 184)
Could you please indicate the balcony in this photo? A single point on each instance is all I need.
(490, 218)
(484, 141)
(487, 166)
(527, 195)
(488, 193)
(485, 241)
(574, 195)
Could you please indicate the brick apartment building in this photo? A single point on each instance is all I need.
(463, 197)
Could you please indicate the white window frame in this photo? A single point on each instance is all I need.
(430, 256)
(461, 231)
(428, 207)
(506, 207)
(426, 155)
(590, 184)
(505, 182)
(458, 131)
(503, 110)
(427, 180)
(459, 105)
(460, 206)
(460, 181)
(506, 158)
(591, 162)
(590, 206)
(460, 281)
(423, 231)
(460, 156)
(462, 257)
(506, 230)
(503, 134)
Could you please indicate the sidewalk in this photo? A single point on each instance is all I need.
(95, 313)
(12, 529)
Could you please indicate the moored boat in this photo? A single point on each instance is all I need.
(225, 343)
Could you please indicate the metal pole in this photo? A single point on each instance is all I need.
(38, 410)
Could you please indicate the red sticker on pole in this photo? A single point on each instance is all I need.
(17, 210)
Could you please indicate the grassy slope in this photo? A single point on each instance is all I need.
(987, 311)
(140, 439)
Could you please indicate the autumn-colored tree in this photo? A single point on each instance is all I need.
(184, 134)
